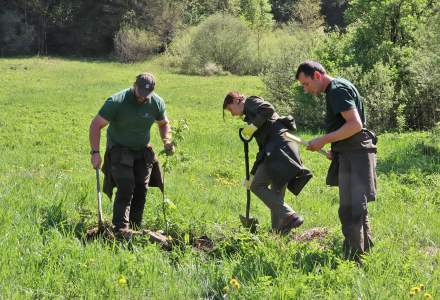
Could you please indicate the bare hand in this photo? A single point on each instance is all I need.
(169, 148)
(316, 144)
(96, 160)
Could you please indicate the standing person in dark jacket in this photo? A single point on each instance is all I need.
(353, 153)
(278, 163)
(129, 159)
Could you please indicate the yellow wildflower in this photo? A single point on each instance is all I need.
(427, 296)
(122, 280)
(412, 293)
(226, 289)
(234, 282)
(421, 286)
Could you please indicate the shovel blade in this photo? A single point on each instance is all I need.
(250, 223)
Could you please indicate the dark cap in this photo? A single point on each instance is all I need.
(145, 83)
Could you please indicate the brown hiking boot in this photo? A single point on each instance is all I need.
(291, 222)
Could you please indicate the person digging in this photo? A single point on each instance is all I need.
(278, 162)
(130, 164)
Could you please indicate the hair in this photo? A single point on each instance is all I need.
(309, 67)
(230, 97)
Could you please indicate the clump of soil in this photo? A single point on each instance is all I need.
(106, 232)
(203, 243)
(317, 233)
(432, 251)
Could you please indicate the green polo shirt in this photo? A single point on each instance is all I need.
(341, 95)
(130, 122)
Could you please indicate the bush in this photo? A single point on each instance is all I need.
(180, 48)
(422, 89)
(132, 44)
(222, 40)
(213, 69)
(377, 87)
(287, 48)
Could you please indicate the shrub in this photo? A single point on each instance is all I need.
(422, 89)
(287, 48)
(377, 88)
(221, 39)
(132, 44)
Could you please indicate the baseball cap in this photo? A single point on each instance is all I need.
(145, 83)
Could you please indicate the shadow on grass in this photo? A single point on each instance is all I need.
(54, 217)
(419, 156)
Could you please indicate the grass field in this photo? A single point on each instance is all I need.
(48, 199)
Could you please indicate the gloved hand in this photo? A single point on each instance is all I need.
(249, 130)
(247, 183)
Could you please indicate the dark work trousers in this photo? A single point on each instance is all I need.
(131, 174)
(356, 170)
(273, 197)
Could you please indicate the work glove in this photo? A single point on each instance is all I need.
(248, 131)
(247, 183)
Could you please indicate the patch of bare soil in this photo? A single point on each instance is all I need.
(203, 243)
(106, 232)
(317, 233)
(432, 251)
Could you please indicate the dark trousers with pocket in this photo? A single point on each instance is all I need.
(271, 196)
(131, 172)
(356, 188)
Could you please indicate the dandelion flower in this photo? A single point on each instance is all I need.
(416, 289)
(412, 293)
(226, 289)
(421, 286)
(122, 280)
(427, 296)
(234, 282)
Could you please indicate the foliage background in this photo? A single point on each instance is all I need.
(389, 49)
(48, 199)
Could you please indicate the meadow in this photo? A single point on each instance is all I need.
(48, 200)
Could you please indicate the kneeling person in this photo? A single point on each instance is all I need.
(278, 162)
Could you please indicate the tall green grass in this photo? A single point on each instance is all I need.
(48, 199)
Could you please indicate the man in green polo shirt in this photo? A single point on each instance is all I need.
(353, 153)
(129, 159)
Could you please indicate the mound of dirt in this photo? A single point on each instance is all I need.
(203, 243)
(107, 232)
(317, 233)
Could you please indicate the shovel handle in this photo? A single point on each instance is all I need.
(246, 162)
(98, 190)
(299, 140)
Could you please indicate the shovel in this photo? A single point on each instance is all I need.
(299, 140)
(98, 189)
(246, 221)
